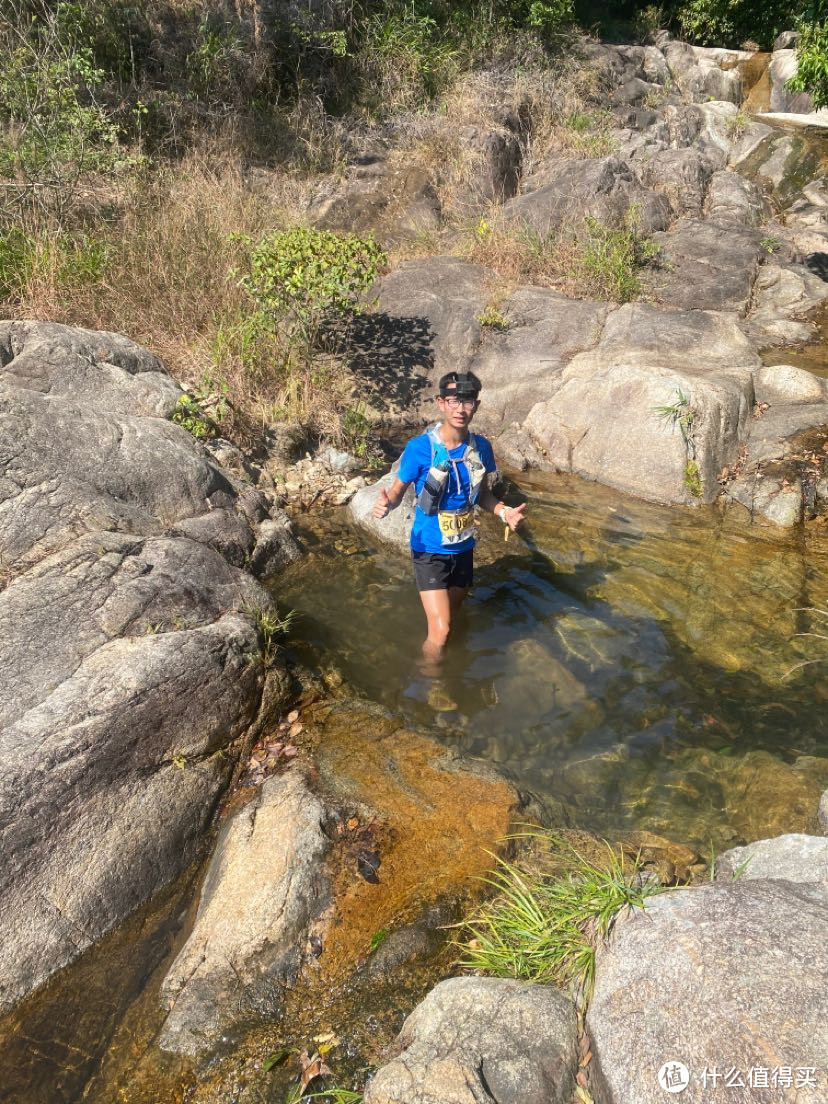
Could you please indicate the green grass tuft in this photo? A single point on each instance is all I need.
(541, 927)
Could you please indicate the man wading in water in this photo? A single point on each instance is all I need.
(449, 467)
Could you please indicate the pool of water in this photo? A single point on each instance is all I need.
(630, 665)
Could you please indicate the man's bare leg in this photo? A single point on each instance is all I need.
(438, 610)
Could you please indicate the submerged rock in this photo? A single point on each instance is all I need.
(474, 1039)
(386, 825)
(725, 977)
(126, 660)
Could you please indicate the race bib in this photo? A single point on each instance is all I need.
(456, 525)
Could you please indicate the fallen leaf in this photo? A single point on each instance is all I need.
(587, 1058)
(293, 716)
(581, 1078)
(289, 751)
(295, 729)
(353, 822)
(315, 1068)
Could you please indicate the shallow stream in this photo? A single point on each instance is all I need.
(628, 664)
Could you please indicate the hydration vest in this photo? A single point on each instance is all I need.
(438, 474)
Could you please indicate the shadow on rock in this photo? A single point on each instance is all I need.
(392, 356)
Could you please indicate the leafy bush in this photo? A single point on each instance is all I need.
(733, 22)
(812, 56)
(305, 277)
(189, 416)
(52, 128)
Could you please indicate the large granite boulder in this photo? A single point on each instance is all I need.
(724, 977)
(129, 649)
(783, 67)
(265, 886)
(425, 322)
(482, 1039)
(519, 365)
(606, 420)
(708, 267)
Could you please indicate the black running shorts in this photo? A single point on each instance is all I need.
(438, 571)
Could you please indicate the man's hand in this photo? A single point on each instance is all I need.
(382, 507)
(514, 517)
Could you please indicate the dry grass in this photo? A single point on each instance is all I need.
(168, 282)
(157, 249)
(584, 259)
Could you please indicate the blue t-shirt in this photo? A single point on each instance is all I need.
(414, 465)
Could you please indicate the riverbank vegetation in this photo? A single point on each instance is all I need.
(549, 912)
(147, 150)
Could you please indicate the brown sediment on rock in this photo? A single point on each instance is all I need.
(432, 820)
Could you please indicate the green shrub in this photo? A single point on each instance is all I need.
(812, 56)
(406, 59)
(733, 22)
(53, 130)
(304, 277)
(189, 416)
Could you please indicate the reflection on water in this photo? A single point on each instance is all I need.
(630, 666)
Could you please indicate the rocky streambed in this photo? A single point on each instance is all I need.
(231, 865)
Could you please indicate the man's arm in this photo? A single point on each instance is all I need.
(487, 500)
(389, 500)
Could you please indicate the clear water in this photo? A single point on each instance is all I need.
(630, 668)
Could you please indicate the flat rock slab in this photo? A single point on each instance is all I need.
(127, 661)
(722, 976)
(521, 364)
(565, 192)
(265, 885)
(794, 857)
(482, 1039)
(706, 266)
